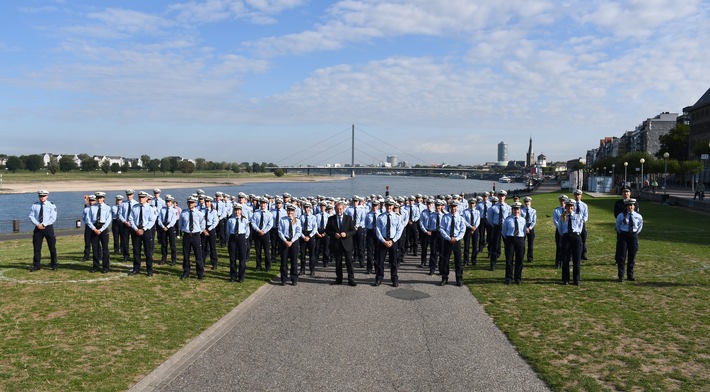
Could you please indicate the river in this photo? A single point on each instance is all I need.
(70, 204)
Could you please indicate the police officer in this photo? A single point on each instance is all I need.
(209, 234)
(98, 220)
(620, 207)
(192, 224)
(261, 223)
(142, 218)
(628, 225)
(167, 221)
(414, 214)
(424, 233)
(322, 240)
(43, 214)
(125, 218)
(116, 224)
(289, 234)
(513, 232)
(90, 201)
(496, 215)
(389, 230)
(581, 208)
(452, 230)
(484, 232)
(358, 215)
(557, 214)
(472, 219)
(570, 229)
(309, 227)
(371, 234)
(530, 215)
(237, 230)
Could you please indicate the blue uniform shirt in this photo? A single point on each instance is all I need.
(395, 228)
(530, 216)
(509, 226)
(289, 231)
(49, 213)
(577, 223)
(149, 217)
(495, 212)
(171, 215)
(309, 225)
(581, 208)
(94, 217)
(622, 222)
(198, 221)
(471, 218)
(244, 227)
(266, 223)
(459, 227)
(211, 219)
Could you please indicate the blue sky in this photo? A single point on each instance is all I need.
(263, 80)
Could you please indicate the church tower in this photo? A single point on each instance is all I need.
(530, 156)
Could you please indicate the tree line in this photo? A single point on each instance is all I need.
(66, 163)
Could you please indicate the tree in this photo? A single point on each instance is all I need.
(126, 166)
(66, 163)
(145, 159)
(152, 165)
(235, 167)
(13, 163)
(187, 167)
(165, 165)
(675, 143)
(53, 165)
(200, 164)
(105, 166)
(89, 164)
(174, 165)
(246, 167)
(34, 162)
(115, 167)
(279, 172)
(83, 156)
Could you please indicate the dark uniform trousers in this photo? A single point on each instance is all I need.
(435, 245)
(447, 249)
(359, 245)
(401, 247)
(167, 239)
(99, 246)
(37, 237)
(626, 243)
(584, 240)
(514, 253)
(572, 250)
(126, 234)
(425, 241)
(237, 248)
(87, 243)
(191, 243)
(275, 242)
(494, 245)
(484, 234)
(222, 232)
(289, 255)
(116, 232)
(144, 241)
(324, 249)
(530, 239)
(470, 247)
(391, 254)
(559, 249)
(413, 237)
(262, 244)
(310, 249)
(209, 247)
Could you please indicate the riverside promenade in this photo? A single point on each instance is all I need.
(317, 337)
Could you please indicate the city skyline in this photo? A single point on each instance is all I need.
(440, 82)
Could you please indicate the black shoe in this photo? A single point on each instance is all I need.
(313, 273)
(268, 269)
(576, 283)
(431, 273)
(132, 272)
(517, 281)
(106, 270)
(150, 274)
(352, 283)
(335, 283)
(294, 283)
(530, 261)
(172, 263)
(302, 271)
(443, 282)
(161, 262)
(241, 280)
(631, 279)
(54, 268)
(564, 282)
(258, 268)
(395, 284)
(282, 283)
(620, 280)
(125, 259)
(93, 270)
(85, 259)
(421, 265)
(200, 277)
(459, 283)
(507, 281)
(377, 283)
(362, 265)
(33, 269)
(232, 279)
(584, 258)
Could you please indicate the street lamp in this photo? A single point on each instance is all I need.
(613, 172)
(665, 173)
(626, 165)
(642, 162)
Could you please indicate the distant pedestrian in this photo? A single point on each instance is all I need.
(43, 214)
(628, 225)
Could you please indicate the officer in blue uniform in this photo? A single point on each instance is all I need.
(237, 230)
(192, 224)
(424, 232)
(98, 221)
(289, 234)
(570, 229)
(452, 230)
(628, 226)
(209, 235)
(371, 234)
(125, 218)
(309, 227)
(530, 216)
(472, 219)
(581, 208)
(167, 221)
(90, 201)
(496, 215)
(142, 219)
(116, 224)
(557, 214)
(43, 214)
(513, 230)
(261, 223)
(389, 231)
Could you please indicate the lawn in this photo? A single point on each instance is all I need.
(651, 334)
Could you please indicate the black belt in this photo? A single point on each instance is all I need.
(186, 234)
(576, 234)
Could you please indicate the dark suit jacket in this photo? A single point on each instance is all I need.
(348, 227)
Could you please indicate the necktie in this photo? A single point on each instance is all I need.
(156, 202)
(470, 214)
(322, 221)
(577, 208)
(453, 220)
(237, 230)
(165, 219)
(631, 223)
(485, 208)
(517, 229)
(500, 214)
(340, 223)
(355, 215)
(278, 212)
(261, 220)
(438, 221)
(98, 216)
(569, 224)
(192, 223)
(130, 210)
(388, 228)
(140, 218)
(290, 229)
(41, 212)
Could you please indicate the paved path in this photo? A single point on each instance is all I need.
(418, 337)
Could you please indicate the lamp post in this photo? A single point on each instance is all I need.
(626, 166)
(665, 173)
(613, 172)
(642, 162)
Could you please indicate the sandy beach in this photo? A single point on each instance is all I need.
(148, 184)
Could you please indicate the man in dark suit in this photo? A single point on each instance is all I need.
(341, 229)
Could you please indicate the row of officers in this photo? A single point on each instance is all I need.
(371, 230)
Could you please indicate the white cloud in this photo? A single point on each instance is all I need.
(638, 18)
(212, 11)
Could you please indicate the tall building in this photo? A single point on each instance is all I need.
(699, 115)
(502, 152)
(392, 160)
(530, 156)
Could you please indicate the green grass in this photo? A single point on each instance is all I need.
(107, 335)
(651, 334)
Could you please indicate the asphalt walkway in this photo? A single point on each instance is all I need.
(417, 337)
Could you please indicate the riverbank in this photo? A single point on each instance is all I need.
(147, 184)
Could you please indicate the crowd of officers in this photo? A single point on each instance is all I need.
(301, 233)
